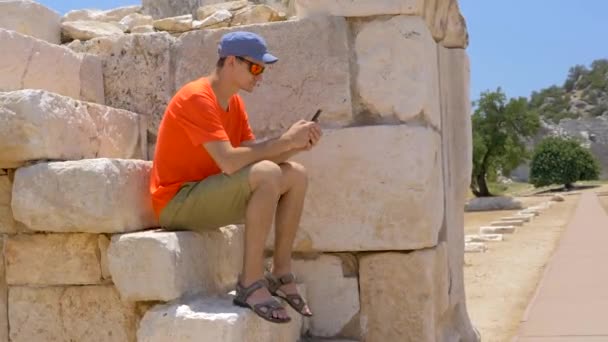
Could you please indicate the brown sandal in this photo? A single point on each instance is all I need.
(264, 309)
(295, 300)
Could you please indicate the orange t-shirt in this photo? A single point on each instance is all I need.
(193, 117)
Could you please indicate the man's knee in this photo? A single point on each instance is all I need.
(265, 173)
(294, 175)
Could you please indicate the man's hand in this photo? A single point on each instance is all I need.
(300, 134)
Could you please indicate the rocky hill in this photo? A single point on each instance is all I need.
(578, 108)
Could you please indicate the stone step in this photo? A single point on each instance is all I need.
(32, 19)
(484, 238)
(36, 64)
(534, 212)
(507, 223)
(525, 218)
(89, 196)
(214, 319)
(475, 247)
(497, 230)
(39, 125)
(162, 265)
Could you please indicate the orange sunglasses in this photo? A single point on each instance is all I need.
(254, 68)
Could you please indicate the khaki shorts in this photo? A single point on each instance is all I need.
(214, 202)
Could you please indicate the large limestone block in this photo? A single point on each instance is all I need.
(136, 72)
(53, 259)
(333, 296)
(403, 295)
(112, 15)
(359, 8)
(91, 196)
(30, 18)
(40, 125)
(456, 35)
(85, 30)
(77, 313)
(436, 17)
(257, 14)
(213, 319)
(171, 8)
(8, 225)
(232, 6)
(159, 265)
(27, 66)
(372, 188)
(3, 296)
(398, 77)
(310, 73)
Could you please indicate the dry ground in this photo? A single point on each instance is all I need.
(500, 282)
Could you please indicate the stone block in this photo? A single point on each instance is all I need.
(75, 313)
(8, 225)
(475, 247)
(111, 15)
(85, 30)
(136, 72)
(96, 196)
(497, 230)
(30, 18)
(160, 265)
(483, 238)
(3, 295)
(38, 125)
(52, 259)
(213, 319)
(403, 305)
(517, 223)
(380, 192)
(359, 8)
(310, 73)
(333, 297)
(493, 203)
(91, 79)
(393, 87)
(524, 218)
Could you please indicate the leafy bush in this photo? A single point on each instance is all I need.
(562, 161)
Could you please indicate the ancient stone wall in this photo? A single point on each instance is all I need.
(380, 251)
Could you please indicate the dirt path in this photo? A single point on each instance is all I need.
(500, 282)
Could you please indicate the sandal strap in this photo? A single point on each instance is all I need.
(275, 282)
(295, 300)
(243, 293)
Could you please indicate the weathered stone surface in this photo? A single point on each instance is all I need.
(30, 18)
(456, 35)
(213, 319)
(359, 8)
(143, 29)
(454, 80)
(116, 14)
(516, 218)
(78, 313)
(181, 23)
(230, 6)
(332, 297)
(310, 73)
(3, 296)
(104, 243)
(389, 193)
(403, 305)
(159, 265)
(91, 79)
(27, 66)
(436, 17)
(85, 30)
(97, 196)
(286, 7)
(7, 222)
(484, 238)
(558, 198)
(493, 203)
(475, 247)
(517, 223)
(221, 18)
(52, 259)
(497, 230)
(135, 19)
(136, 71)
(256, 15)
(42, 125)
(385, 76)
(171, 8)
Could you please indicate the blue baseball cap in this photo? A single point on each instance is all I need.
(245, 44)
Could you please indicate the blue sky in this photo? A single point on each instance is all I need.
(520, 45)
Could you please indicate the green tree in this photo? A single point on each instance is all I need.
(498, 131)
(562, 161)
(574, 74)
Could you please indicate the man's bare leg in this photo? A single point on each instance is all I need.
(294, 182)
(264, 179)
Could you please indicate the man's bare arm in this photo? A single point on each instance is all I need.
(280, 158)
(231, 159)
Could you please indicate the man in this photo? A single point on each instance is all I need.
(209, 172)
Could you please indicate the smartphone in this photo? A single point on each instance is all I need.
(315, 118)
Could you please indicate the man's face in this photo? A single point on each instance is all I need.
(247, 72)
